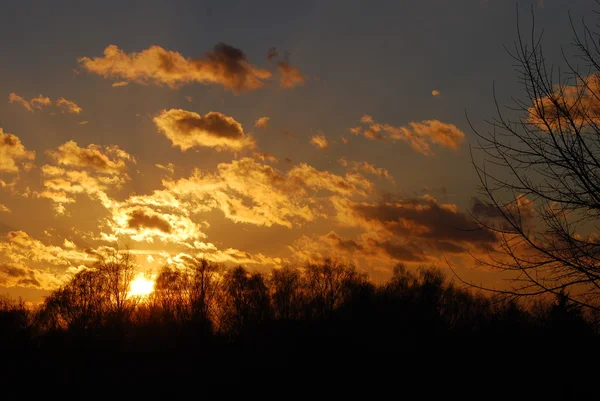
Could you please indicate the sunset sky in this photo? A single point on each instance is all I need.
(257, 133)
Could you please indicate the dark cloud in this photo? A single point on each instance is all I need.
(138, 220)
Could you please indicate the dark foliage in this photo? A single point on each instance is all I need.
(324, 321)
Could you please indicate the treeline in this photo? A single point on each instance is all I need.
(228, 315)
(205, 300)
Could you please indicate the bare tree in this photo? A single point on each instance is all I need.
(117, 269)
(539, 171)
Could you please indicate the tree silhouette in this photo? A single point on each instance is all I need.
(540, 173)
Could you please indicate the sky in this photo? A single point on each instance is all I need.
(257, 133)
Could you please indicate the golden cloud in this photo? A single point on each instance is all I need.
(419, 135)
(290, 75)
(225, 65)
(14, 98)
(265, 157)
(319, 141)
(262, 122)
(93, 156)
(18, 251)
(436, 92)
(91, 170)
(367, 168)
(187, 129)
(12, 152)
(68, 105)
(250, 192)
(43, 101)
(40, 101)
(119, 84)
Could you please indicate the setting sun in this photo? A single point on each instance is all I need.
(141, 286)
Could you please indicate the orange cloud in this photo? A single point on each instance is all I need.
(436, 92)
(249, 192)
(419, 135)
(187, 129)
(68, 105)
(44, 101)
(90, 171)
(319, 141)
(40, 101)
(290, 75)
(119, 84)
(170, 168)
(265, 157)
(569, 105)
(367, 168)
(19, 252)
(12, 152)
(262, 122)
(94, 156)
(14, 98)
(225, 65)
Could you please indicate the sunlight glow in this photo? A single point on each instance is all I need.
(141, 286)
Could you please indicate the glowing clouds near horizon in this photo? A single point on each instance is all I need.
(187, 129)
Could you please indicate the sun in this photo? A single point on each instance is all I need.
(141, 286)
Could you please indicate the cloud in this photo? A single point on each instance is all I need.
(170, 168)
(19, 252)
(14, 98)
(68, 105)
(119, 84)
(187, 129)
(12, 152)
(290, 75)
(262, 122)
(189, 98)
(139, 219)
(91, 170)
(521, 211)
(83, 122)
(419, 135)
(568, 105)
(225, 65)
(319, 141)
(265, 157)
(44, 101)
(40, 101)
(94, 157)
(409, 228)
(4, 208)
(436, 92)
(249, 192)
(367, 168)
